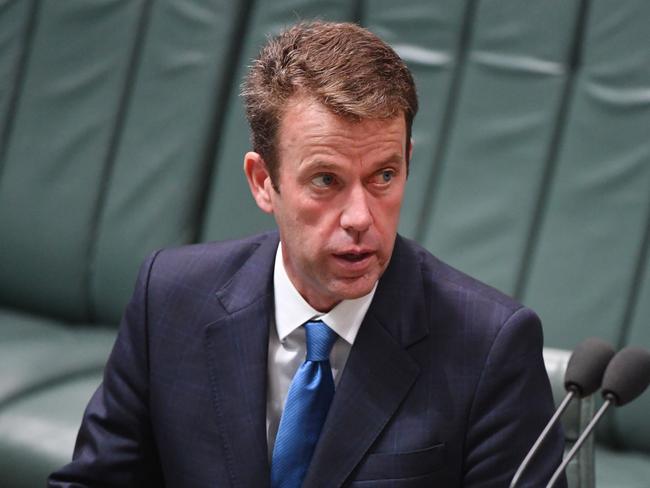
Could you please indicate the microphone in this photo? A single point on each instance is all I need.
(583, 375)
(626, 377)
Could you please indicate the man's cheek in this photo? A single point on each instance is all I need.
(314, 215)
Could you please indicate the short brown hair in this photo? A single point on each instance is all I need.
(346, 68)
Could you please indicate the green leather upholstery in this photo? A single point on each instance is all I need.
(631, 426)
(596, 209)
(54, 154)
(510, 90)
(121, 131)
(601, 180)
(38, 430)
(14, 18)
(627, 468)
(41, 356)
(162, 151)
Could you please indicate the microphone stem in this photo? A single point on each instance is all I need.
(533, 450)
(581, 440)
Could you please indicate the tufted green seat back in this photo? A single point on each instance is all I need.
(109, 122)
(57, 131)
(588, 259)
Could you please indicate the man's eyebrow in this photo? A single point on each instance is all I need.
(321, 164)
(392, 159)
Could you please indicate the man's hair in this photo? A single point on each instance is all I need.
(344, 67)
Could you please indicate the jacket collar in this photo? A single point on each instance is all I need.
(378, 374)
(237, 350)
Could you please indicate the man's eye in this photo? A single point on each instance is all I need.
(323, 180)
(384, 176)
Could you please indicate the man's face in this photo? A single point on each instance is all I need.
(337, 209)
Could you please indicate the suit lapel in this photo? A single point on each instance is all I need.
(378, 375)
(237, 349)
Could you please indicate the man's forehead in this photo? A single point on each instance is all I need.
(302, 102)
(307, 117)
(313, 129)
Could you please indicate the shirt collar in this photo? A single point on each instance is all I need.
(291, 309)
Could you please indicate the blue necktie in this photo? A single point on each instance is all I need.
(308, 401)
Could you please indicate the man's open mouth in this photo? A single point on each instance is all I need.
(354, 257)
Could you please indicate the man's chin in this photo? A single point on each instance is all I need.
(351, 288)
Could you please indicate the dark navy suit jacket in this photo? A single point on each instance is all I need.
(444, 386)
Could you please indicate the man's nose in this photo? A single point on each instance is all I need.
(356, 215)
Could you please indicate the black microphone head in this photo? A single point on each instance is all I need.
(587, 364)
(627, 375)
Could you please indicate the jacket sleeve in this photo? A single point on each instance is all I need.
(115, 444)
(512, 404)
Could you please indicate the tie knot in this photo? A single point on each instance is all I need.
(320, 339)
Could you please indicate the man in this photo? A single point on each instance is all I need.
(421, 376)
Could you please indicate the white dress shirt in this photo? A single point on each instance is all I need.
(287, 349)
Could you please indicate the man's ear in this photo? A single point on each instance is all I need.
(410, 148)
(259, 180)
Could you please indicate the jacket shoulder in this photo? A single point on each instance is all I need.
(211, 262)
(444, 280)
